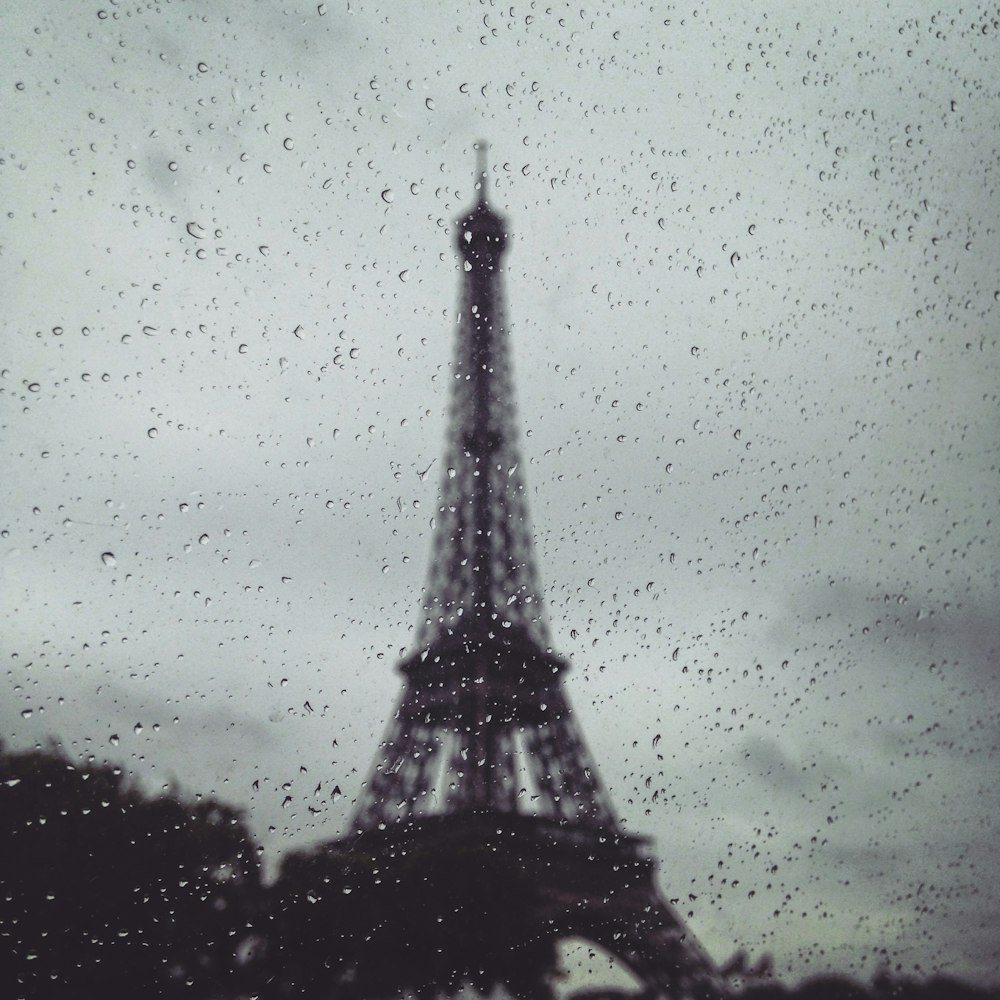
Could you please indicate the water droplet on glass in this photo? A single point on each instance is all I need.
(203, 540)
(429, 104)
(404, 275)
(387, 196)
(137, 728)
(172, 166)
(152, 432)
(113, 739)
(108, 558)
(33, 387)
(26, 713)
(202, 67)
(195, 230)
(288, 144)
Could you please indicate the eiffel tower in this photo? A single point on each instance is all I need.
(483, 789)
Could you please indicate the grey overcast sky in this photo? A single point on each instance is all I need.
(753, 291)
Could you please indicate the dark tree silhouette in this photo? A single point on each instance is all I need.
(882, 987)
(105, 892)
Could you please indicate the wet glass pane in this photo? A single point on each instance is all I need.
(669, 478)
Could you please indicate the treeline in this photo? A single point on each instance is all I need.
(883, 987)
(106, 892)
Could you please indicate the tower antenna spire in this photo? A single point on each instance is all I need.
(482, 148)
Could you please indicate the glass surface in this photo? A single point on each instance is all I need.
(751, 281)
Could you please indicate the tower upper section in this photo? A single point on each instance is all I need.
(482, 581)
(482, 235)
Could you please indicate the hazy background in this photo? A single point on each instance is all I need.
(753, 289)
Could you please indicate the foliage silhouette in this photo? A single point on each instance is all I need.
(883, 987)
(106, 892)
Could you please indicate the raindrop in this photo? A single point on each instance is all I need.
(195, 230)
(288, 144)
(152, 432)
(33, 387)
(387, 196)
(26, 713)
(414, 188)
(137, 728)
(429, 104)
(618, 515)
(203, 540)
(113, 739)
(108, 558)
(404, 275)
(202, 67)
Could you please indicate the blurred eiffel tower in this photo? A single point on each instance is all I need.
(483, 758)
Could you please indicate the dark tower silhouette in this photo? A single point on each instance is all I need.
(483, 750)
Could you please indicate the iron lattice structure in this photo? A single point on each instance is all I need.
(483, 747)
